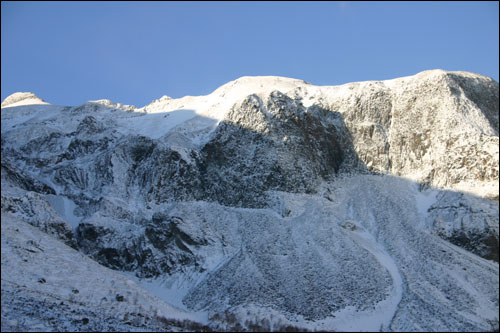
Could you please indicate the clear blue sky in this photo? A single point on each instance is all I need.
(133, 52)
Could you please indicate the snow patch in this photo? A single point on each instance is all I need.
(65, 207)
(424, 200)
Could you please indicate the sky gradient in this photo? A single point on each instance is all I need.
(134, 52)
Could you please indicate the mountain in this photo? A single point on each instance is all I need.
(269, 204)
(22, 98)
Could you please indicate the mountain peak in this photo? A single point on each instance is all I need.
(106, 103)
(260, 83)
(22, 98)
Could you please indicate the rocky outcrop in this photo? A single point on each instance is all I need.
(34, 209)
(467, 222)
(276, 144)
(438, 128)
(157, 246)
(15, 176)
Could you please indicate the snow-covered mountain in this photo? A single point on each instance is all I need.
(270, 204)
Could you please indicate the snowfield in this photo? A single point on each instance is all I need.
(374, 267)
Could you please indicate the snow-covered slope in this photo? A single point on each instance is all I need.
(22, 98)
(269, 204)
(47, 285)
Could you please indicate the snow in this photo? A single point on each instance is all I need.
(196, 117)
(482, 301)
(424, 200)
(172, 291)
(315, 236)
(23, 116)
(349, 319)
(156, 125)
(35, 263)
(22, 98)
(65, 207)
(199, 115)
(372, 232)
(172, 294)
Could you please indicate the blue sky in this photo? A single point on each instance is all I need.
(133, 52)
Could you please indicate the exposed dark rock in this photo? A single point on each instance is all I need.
(16, 176)
(171, 247)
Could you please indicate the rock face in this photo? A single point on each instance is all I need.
(275, 196)
(160, 246)
(437, 128)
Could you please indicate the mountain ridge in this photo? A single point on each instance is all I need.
(261, 79)
(208, 111)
